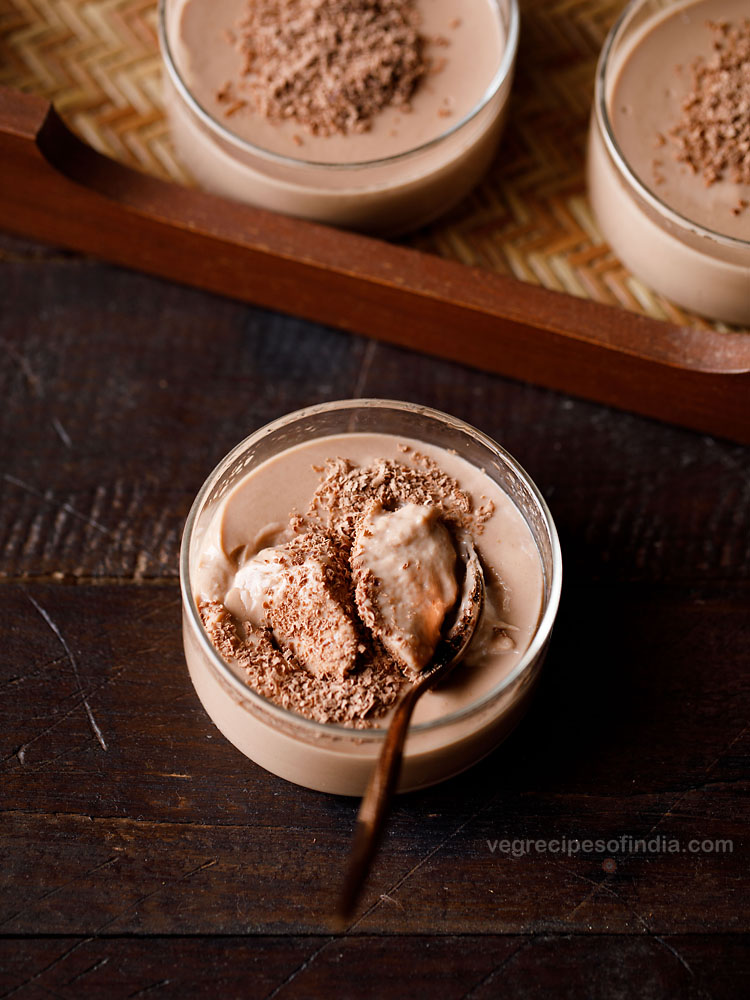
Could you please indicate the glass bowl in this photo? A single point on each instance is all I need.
(696, 267)
(336, 758)
(385, 195)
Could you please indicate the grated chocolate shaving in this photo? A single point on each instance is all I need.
(329, 65)
(346, 490)
(357, 700)
(316, 619)
(713, 134)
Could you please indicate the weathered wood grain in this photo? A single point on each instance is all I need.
(639, 729)
(457, 968)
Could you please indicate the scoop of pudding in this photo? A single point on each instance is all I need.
(404, 570)
(299, 591)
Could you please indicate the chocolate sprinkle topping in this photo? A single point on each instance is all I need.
(329, 65)
(713, 134)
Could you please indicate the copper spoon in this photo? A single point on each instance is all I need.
(377, 798)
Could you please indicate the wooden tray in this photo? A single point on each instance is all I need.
(98, 62)
(55, 188)
(529, 220)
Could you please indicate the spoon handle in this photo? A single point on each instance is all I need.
(373, 809)
(379, 793)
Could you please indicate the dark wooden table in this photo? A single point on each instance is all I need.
(143, 856)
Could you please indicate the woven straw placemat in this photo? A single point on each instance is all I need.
(98, 60)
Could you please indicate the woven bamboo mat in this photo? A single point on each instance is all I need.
(98, 60)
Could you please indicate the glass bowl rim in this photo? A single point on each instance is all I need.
(502, 73)
(616, 153)
(287, 717)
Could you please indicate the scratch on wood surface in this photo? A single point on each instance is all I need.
(154, 892)
(59, 888)
(92, 968)
(49, 499)
(589, 895)
(67, 753)
(706, 771)
(62, 433)
(21, 678)
(69, 653)
(52, 964)
(148, 989)
(726, 749)
(604, 886)
(33, 381)
(498, 968)
(21, 752)
(664, 944)
(680, 958)
(300, 969)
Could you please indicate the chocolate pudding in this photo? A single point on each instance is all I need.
(663, 71)
(669, 158)
(324, 577)
(376, 115)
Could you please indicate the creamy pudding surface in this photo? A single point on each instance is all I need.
(461, 45)
(668, 68)
(328, 571)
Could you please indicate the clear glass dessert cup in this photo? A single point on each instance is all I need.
(335, 758)
(385, 196)
(697, 268)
